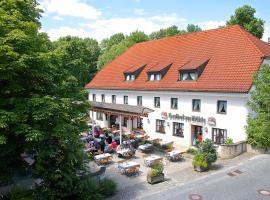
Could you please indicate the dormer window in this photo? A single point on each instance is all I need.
(158, 70)
(192, 70)
(132, 73)
(154, 77)
(188, 76)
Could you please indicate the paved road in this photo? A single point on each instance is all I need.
(253, 175)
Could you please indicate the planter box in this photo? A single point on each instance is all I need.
(155, 179)
(201, 169)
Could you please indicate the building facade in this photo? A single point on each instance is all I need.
(188, 99)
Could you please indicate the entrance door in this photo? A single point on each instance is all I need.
(112, 120)
(196, 134)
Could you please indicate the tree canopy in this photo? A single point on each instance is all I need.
(43, 109)
(118, 48)
(245, 17)
(78, 56)
(259, 121)
(193, 28)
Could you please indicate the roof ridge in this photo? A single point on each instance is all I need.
(188, 34)
(247, 35)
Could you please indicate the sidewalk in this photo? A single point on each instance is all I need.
(176, 174)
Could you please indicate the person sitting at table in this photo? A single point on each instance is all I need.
(114, 145)
(108, 148)
(102, 145)
(109, 139)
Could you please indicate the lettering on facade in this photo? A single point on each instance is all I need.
(187, 118)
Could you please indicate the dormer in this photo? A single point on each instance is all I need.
(192, 70)
(158, 71)
(132, 73)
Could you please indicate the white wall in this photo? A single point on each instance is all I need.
(234, 121)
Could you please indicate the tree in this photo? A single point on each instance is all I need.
(107, 43)
(79, 56)
(193, 28)
(117, 49)
(244, 16)
(259, 120)
(42, 107)
(166, 32)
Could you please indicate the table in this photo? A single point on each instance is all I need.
(124, 152)
(146, 146)
(151, 160)
(174, 155)
(165, 143)
(103, 158)
(129, 168)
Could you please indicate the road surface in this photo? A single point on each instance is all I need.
(246, 181)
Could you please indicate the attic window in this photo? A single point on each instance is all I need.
(188, 76)
(158, 70)
(192, 70)
(130, 77)
(154, 77)
(132, 73)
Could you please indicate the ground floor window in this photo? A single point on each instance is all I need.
(178, 129)
(160, 126)
(99, 116)
(139, 122)
(219, 135)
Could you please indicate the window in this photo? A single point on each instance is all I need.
(139, 100)
(130, 77)
(99, 116)
(222, 107)
(219, 135)
(178, 129)
(157, 102)
(113, 98)
(103, 97)
(154, 77)
(188, 76)
(94, 97)
(160, 126)
(125, 99)
(125, 122)
(139, 123)
(174, 103)
(196, 105)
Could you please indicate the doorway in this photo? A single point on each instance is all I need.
(196, 135)
(112, 122)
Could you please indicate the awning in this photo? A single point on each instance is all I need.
(120, 109)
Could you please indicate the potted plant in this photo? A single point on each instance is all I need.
(156, 175)
(205, 156)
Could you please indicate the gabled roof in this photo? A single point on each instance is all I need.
(235, 55)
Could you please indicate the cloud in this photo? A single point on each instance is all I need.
(138, 11)
(58, 18)
(211, 24)
(62, 31)
(74, 8)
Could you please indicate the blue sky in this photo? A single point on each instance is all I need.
(101, 18)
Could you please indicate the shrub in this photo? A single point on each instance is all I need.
(107, 187)
(200, 160)
(192, 151)
(18, 193)
(208, 149)
(156, 170)
(229, 141)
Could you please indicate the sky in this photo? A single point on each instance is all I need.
(100, 19)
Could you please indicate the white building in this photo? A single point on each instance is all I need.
(181, 88)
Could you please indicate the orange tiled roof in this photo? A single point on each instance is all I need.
(234, 56)
(194, 63)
